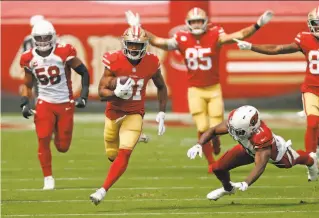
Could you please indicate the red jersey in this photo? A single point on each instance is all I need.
(119, 65)
(309, 45)
(201, 56)
(52, 72)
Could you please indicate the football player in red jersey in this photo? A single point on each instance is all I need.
(308, 44)
(257, 144)
(50, 63)
(200, 47)
(125, 104)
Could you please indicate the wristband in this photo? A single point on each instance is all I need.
(257, 27)
(24, 101)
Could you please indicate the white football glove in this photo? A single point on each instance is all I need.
(243, 45)
(301, 114)
(265, 18)
(193, 151)
(132, 20)
(160, 118)
(124, 91)
(242, 186)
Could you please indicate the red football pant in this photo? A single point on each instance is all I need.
(117, 168)
(57, 118)
(207, 150)
(311, 139)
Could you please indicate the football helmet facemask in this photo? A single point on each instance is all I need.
(196, 21)
(43, 35)
(313, 21)
(135, 41)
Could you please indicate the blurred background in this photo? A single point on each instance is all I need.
(94, 27)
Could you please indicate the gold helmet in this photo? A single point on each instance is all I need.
(135, 41)
(197, 14)
(313, 21)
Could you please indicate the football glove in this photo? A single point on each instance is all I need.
(193, 151)
(80, 102)
(160, 118)
(124, 91)
(242, 186)
(27, 111)
(243, 45)
(265, 18)
(132, 20)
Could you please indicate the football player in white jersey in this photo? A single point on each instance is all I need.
(256, 144)
(50, 63)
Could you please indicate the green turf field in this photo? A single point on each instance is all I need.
(160, 181)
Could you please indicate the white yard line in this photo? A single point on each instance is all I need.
(148, 199)
(141, 178)
(157, 188)
(162, 213)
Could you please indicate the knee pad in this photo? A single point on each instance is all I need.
(201, 121)
(111, 154)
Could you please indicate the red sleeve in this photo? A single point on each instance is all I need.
(298, 39)
(71, 52)
(263, 138)
(180, 37)
(108, 59)
(25, 59)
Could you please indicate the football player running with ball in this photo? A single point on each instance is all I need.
(50, 63)
(257, 144)
(200, 47)
(308, 44)
(123, 86)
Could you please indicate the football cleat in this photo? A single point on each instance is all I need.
(218, 193)
(48, 183)
(98, 196)
(313, 170)
(143, 138)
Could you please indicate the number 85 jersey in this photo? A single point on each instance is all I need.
(52, 73)
(201, 56)
(309, 46)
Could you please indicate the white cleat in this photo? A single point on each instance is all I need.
(143, 138)
(218, 193)
(98, 196)
(318, 153)
(313, 170)
(48, 183)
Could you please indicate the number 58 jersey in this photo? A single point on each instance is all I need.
(309, 45)
(119, 65)
(201, 56)
(52, 73)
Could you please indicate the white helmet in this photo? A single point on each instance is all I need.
(35, 18)
(243, 122)
(43, 34)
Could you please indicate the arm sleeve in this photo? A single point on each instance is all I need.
(71, 52)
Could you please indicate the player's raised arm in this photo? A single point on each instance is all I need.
(246, 32)
(220, 129)
(162, 100)
(163, 43)
(77, 65)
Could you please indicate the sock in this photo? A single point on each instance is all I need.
(224, 177)
(304, 159)
(117, 168)
(311, 133)
(207, 150)
(44, 155)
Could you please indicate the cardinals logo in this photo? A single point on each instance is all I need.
(254, 119)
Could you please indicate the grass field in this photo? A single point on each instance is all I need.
(160, 181)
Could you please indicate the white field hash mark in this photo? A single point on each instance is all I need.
(161, 213)
(154, 188)
(149, 199)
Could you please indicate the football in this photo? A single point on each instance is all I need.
(123, 80)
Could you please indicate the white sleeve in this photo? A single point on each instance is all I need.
(172, 44)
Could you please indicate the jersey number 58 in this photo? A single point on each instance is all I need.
(195, 58)
(52, 75)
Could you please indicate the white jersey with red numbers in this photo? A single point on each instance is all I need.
(263, 138)
(52, 73)
(309, 45)
(201, 55)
